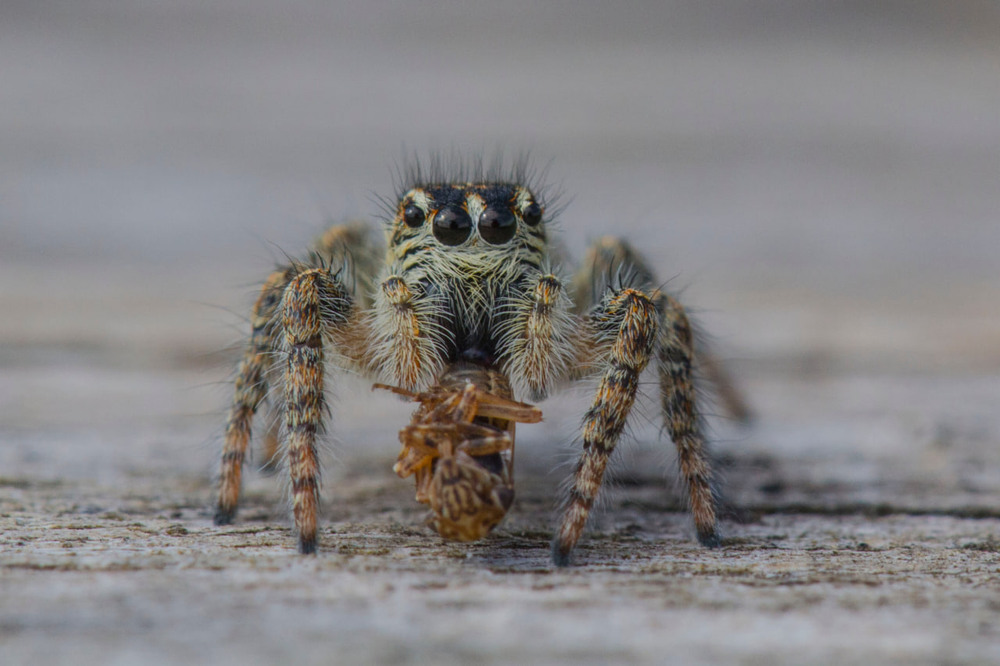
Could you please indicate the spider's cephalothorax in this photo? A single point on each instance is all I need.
(469, 261)
(467, 279)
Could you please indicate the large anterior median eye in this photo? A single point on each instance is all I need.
(497, 225)
(452, 225)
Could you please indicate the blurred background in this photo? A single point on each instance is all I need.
(785, 160)
(820, 178)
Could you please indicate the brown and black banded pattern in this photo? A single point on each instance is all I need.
(313, 301)
(675, 355)
(250, 390)
(630, 316)
(299, 307)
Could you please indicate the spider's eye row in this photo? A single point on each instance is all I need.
(413, 216)
(532, 214)
(497, 225)
(452, 225)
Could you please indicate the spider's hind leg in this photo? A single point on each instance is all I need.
(353, 246)
(251, 388)
(609, 260)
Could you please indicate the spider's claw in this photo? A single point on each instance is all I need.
(307, 546)
(709, 538)
(224, 516)
(560, 553)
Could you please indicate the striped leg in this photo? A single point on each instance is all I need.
(298, 307)
(313, 304)
(674, 356)
(251, 388)
(610, 276)
(627, 318)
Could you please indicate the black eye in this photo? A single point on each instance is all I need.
(532, 214)
(413, 216)
(452, 225)
(497, 225)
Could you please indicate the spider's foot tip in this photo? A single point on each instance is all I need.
(224, 516)
(560, 554)
(709, 538)
(307, 546)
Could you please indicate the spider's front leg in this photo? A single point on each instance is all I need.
(627, 319)
(299, 308)
(639, 327)
(315, 305)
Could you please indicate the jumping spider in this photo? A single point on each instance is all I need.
(468, 277)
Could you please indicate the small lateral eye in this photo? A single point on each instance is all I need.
(532, 214)
(413, 216)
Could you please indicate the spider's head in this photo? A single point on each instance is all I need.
(470, 218)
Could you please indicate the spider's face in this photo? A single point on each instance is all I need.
(468, 218)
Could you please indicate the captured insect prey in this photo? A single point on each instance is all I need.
(463, 307)
(460, 448)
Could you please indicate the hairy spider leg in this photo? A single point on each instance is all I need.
(250, 390)
(674, 356)
(609, 258)
(298, 306)
(315, 300)
(630, 327)
(629, 318)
